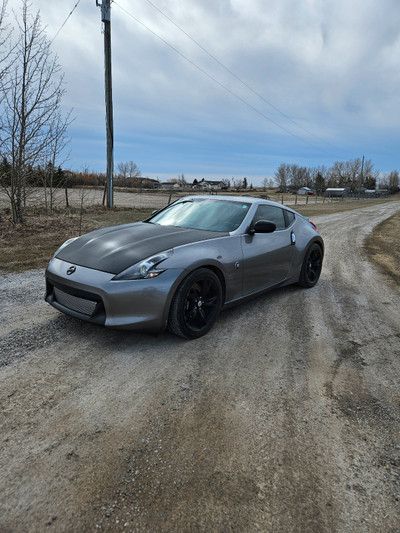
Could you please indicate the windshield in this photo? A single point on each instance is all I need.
(204, 214)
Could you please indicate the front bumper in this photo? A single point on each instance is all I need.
(91, 295)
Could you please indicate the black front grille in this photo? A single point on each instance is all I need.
(87, 304)
(80, 305)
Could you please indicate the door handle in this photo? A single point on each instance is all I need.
(292, 238)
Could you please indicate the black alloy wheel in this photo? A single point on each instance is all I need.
(196, 304)
(312, 266)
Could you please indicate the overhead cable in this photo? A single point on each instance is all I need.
(65, 21)
(235, 75)
(266, 117)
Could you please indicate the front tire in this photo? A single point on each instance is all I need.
(312, 266)
(196, 304)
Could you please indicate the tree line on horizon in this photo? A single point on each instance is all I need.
(355, 174)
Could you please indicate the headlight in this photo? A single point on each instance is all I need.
(146, 269)
(64, 245)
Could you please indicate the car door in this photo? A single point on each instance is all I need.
(267, 257)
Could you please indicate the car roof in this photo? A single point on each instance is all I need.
(242, 199)
(247, 199)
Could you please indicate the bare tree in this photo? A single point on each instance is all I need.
(59, 140)
(370, 175)
(318, 175)
(133, 170)
(182, 180)
(237, 183)
(393, 181)
(265, 184)
(352, 171)
(128, 169)
(390, 181)
(122, 170)
(336, 176)
(6, 47)
(282, 175)
(30, 122)
(298, 176)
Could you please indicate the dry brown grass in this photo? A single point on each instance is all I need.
(383, 247)
(33, 244)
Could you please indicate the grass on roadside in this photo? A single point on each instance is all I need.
(383, 247)
(32, 244)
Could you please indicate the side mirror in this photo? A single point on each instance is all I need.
(263, 226)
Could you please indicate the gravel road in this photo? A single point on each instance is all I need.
(284, 418)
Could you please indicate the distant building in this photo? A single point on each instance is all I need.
(336, 192)
(169, 186)
(305, 190)
(209, 185)
(382, 192)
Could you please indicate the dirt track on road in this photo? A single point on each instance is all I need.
(285, 417)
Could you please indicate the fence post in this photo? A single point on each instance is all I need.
(295, 200)
(306, 199)
(282, 199)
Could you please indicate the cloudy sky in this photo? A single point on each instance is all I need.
(314, 81)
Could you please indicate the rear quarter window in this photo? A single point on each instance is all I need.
(289, 218)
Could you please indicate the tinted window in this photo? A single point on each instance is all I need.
(289, 218)
(214, 215)
(270, 213)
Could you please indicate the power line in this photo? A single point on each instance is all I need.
(218, 82)
(65, 21)
(235, 75)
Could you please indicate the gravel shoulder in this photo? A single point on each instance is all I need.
(285, 417)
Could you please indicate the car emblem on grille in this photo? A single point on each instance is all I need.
(71, 270)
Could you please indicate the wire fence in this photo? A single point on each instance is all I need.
(89, 197)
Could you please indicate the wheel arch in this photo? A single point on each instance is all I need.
(320, 244)
(178, 324)
(214, 268)
(220, 275)
(302, 275)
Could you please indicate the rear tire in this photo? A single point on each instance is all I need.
(196, 304)
(312, 266)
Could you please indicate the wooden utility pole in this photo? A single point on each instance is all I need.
(106, 19)
(361, 178)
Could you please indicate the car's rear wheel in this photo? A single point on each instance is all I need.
(196, 304)
(312, 266)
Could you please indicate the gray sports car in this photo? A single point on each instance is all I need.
(185, 263)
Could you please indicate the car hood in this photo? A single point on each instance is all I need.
(117, 248)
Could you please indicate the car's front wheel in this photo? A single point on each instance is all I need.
(196, 304)
(312, 266)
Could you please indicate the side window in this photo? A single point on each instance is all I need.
(272, 214)
(289, 216)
